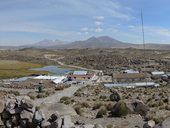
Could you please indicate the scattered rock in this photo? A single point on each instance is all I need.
(122, 108)
(165, 123)
(149, 124)
(98, 126)
(2, 105)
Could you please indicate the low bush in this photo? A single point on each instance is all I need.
(97, 105)
(119, 109)
(102, 111)
(79, 110)
(66, 100)
(41, 95)
(60, 87)
(85, 104)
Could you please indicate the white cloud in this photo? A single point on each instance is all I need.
(120, 15)
(86, 32)
(98, 29)
(99, 17)
(84, 29)
(34, 28)
(151, 30)
(157, 31)
(131, 26)
(98, 23)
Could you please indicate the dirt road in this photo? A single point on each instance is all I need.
(58, 95)
(49, 56)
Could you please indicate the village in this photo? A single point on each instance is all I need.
(128, 78)
(111, 94)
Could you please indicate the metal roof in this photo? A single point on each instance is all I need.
(133, 85)
(79, 72)
(158, 73)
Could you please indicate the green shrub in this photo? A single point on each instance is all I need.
(16, 93)
(103, 97)
(115, 96)
(109, 106)
(58, 88)
(77, 93)
(102, 111)
(66, 100)
(109, 126)
(97, 105)
(120, 109)
(85, 104)
(32, 96)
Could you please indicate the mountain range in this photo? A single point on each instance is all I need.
(93, 42)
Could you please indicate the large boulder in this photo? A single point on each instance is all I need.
(27, 103)
(49, 109)
(10, 106)
(124, 107)
(149, 124)
(137, 107)
(38, 117)
(26, 115)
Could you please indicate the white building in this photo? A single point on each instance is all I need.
(80, 73)
(130, 71)
(157, 73)
(54, 79)
(133, 85)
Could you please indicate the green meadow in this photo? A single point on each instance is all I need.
(14, 69)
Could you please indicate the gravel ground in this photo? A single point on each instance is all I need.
(130, 121)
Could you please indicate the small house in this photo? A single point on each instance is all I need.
(80, 75)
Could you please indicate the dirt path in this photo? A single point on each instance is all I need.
(48, 56)
(58, 95)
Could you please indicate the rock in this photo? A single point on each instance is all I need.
(10, 107)
(45, 124)
(23, 124)
(115, 96)
(26, 103)
(2, 105)
(8, 124)
(166, 123)
(122, 108)
(67, 122)
(98, 126)
(15, 120)
(49, 108)
(5, 115)
(11, 96)
(149, 124)
(38, 117)
(55, 125)
(88, 126)
(55, 116)
(139, 107)
(26, 115)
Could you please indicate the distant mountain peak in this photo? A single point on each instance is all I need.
(93, 38)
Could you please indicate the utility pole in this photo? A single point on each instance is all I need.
(144, 45)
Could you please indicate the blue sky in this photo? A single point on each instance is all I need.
(29, 21)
